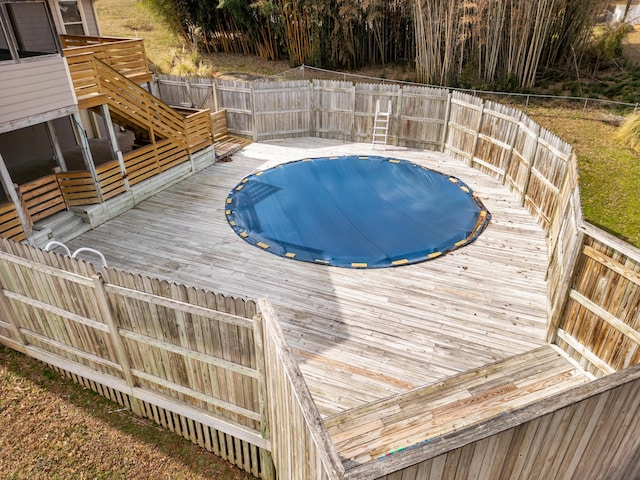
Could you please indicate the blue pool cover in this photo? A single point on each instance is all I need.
(355, 211)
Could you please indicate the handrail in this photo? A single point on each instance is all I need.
(92, 40)
(90, 250)
(55, 243)
(125, 55)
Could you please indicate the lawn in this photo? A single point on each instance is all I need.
(609, 171)
(51, 428)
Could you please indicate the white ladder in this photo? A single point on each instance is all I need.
(381, 126)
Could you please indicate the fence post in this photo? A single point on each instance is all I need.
(399, 117)
(312, 112)
(265, 458)
(121, 352)
(252, 94)
(477, 137)
(525, 186)
(512, 144)
(445, 126)
(353, 111)
(214, 93)
(5, 308)
(584, 108)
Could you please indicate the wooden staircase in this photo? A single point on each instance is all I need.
(96, 83)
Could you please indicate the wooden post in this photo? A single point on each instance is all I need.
(12, 192)
(55, 144)
(445, 127)
(121, 352)
(398, 117)
(477, 137)
(113, 142)
(214, 87)
(512, 144)
(525, 186)
(86, 152)
(353, 113)
(312, 112)
(10, 317)
(252, 98)
(265, 458)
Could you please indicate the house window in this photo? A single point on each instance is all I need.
(32, 29)
(5, 52)
(71, 17)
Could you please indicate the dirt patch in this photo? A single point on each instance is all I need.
(51, 428)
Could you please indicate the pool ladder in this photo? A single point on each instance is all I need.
(381, 126)
(56, 244)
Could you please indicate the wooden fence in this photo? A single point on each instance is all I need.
(143, 339)
(184, 357)
(593, 278)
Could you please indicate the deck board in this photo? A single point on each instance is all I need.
(372, 431)
(360, 335)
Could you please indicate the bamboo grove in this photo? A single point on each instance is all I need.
(451, 42)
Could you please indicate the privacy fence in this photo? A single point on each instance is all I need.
(217, 371)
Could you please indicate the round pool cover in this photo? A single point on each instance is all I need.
(355, 211)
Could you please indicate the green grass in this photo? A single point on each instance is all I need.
(130, 19)
(165, 49)
(609, 171)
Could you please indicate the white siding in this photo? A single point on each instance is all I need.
(33, 92)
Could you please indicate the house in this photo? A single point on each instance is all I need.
(78, 125)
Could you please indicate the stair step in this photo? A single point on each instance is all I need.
(61, 227)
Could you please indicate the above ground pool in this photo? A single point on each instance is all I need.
(355, 211)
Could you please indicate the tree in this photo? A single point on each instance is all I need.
(484, 42)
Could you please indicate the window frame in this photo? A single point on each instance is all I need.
(82, 21)
(6, 27)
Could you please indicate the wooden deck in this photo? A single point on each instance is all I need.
(414, 334)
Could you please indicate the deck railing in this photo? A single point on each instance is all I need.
(173, 136)
(42, 198)
(10, 225)
(126, 55)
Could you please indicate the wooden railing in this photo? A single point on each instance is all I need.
(186, 358)
(10, 226)
(198, 130)
(224, 143)
(42, 198)
(145, 162)
(78, 188)
(96, 83)
(125, 55)
(110, 179)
